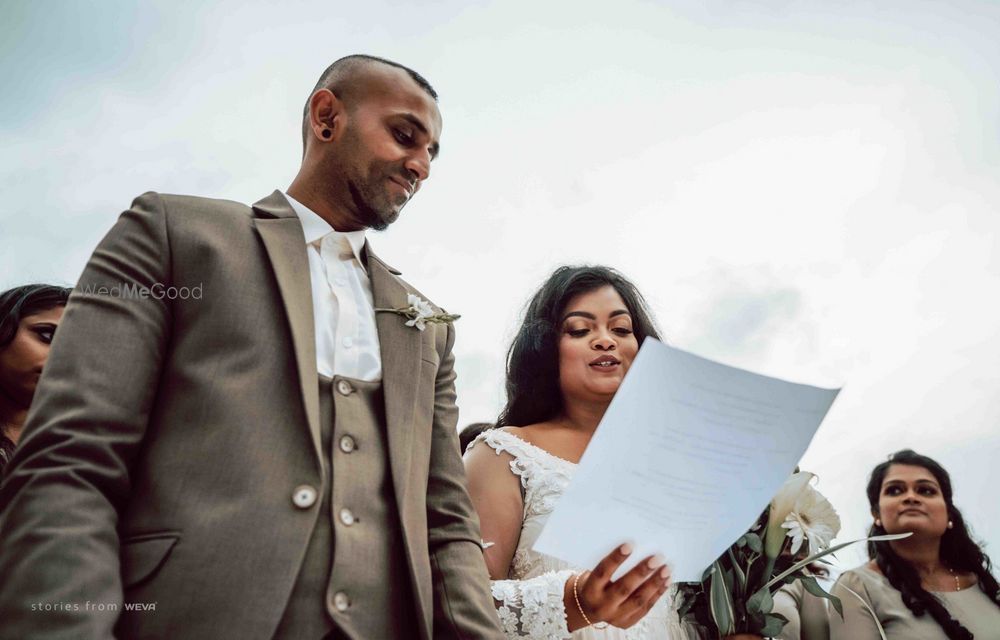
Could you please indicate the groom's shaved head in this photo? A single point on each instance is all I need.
(349, 79)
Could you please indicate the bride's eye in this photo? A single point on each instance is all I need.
(576, 333)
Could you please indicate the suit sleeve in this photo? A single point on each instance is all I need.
(463, 607)
(69, 479)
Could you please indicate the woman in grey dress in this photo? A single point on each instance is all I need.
(29, 316)
(933, 585)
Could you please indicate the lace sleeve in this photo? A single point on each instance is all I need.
(533, 608)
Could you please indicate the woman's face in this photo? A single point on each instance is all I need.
(596, 345)
(22, 360)
(911, 500)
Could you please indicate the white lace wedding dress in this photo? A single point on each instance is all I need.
(530, 601)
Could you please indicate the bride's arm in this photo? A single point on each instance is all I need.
(527, 608)
(549, 606)
(496, 495)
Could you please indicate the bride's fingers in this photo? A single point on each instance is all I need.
(624, 587)
(644, 597)
(663, 577)
(637, 606)
(601, 575)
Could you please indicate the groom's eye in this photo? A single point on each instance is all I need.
(402, 137)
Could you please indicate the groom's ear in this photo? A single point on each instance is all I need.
(326, 115)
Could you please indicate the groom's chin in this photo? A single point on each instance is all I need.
(382, 219)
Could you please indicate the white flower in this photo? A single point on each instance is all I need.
(812, 520)
(420, 310)
(781, 505)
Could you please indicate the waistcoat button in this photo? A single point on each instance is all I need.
(347, 444)
(304, 496)
(341, 601)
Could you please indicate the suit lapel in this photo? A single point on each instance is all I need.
(400, 350)
(284, 240)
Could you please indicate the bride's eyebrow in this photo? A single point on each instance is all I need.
(580, 314)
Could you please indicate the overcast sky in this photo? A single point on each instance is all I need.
(807, 189)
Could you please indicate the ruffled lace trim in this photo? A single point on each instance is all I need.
(543, 475)
(533, 608)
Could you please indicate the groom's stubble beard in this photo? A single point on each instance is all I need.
(375, 206)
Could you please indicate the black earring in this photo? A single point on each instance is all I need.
(327, 133)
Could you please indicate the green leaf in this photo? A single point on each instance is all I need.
(773, 624)
(721, 602)
(740, 587)
(813, 587)
(798, 565)
(707, 574)
(742, 542)
(754, 542)
(760, 602)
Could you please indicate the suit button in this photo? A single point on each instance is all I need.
(347, 517)
(344, 387)
(341, 601)
(304, 496)
(347, 444)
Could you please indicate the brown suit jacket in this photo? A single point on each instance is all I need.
(170, 431)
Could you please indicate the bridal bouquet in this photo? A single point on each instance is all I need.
(736, 594)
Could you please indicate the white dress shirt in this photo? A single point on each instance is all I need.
(343, 307)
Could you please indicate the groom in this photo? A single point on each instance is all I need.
(235, 436)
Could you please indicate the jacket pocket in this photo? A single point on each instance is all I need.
(142, 555)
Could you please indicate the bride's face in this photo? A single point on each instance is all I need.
(596, 346)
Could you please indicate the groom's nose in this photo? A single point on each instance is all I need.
(418, 163)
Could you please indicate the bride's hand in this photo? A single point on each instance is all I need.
(622, 602)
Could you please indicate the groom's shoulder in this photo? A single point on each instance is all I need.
(194, 216)
(187, 206)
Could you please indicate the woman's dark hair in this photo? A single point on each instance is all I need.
(533, 393)
(27, 300)
(958, 550)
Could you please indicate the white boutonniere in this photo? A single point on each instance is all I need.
(420, 312)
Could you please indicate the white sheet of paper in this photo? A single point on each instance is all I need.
(688, 455)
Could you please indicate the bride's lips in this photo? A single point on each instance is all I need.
(605, 363)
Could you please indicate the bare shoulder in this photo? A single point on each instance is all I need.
(555, 439)
(532, 434)
(488, 470)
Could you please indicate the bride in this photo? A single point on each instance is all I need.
(581, 331)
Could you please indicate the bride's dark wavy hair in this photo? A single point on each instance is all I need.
(533, 393)
(958, 550)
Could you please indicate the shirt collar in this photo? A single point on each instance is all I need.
(316, 228)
